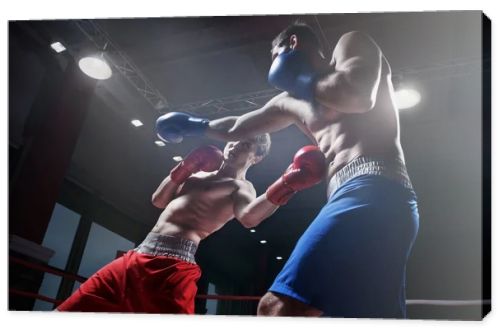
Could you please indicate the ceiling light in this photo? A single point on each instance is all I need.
(177, 158)
(279, 258)
(252, 231)
(407, 98)
(58, 47)
(263, 241)
(159, 143)
(136, 123)
(95, 67)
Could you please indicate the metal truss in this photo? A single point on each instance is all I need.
(122, 63)
(242, 103)
(236, 104)
(453, 68)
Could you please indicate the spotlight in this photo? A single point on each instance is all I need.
(136, 123)
(263, 241)
(407, 98)
(95, 67)
(252, 231)
(58, 47)
(177, 158)
(159, 143)
(279, 258)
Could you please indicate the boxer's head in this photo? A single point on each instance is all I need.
(298, 36)
(245, 153)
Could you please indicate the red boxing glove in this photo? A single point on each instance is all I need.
(308, 168)
(205, 158)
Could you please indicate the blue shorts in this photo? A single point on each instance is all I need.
(351, 260)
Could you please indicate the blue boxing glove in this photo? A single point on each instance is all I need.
(174, 126)
(291, 71)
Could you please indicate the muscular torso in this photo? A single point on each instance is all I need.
(344, 137)
(202, 206)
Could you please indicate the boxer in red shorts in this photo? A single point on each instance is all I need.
(201, 194)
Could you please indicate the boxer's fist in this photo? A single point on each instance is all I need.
(308, 168)
(174, 126)
(205, 158)
(292, 72)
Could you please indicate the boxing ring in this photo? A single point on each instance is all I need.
(253, 299)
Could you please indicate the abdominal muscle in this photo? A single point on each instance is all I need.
(196, 214)
(374, 133)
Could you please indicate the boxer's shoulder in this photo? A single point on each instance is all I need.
(244, 185)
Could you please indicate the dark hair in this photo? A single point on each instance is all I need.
(303, 31)
(263, 143)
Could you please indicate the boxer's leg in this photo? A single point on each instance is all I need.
(161, 284)
(350, 262)
(273, 304)
(295, 289)
(102, 292)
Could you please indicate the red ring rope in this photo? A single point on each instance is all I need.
(58, 272)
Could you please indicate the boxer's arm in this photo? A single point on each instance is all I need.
(271, 117)
(204, 158)
(249, 209)
(164, 193)
(353, 86)
(218, 129)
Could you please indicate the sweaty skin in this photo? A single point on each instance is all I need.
(207, 201)
(354, 113)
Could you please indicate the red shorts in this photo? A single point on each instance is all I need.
(139, 283)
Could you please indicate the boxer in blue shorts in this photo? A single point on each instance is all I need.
(351, 260)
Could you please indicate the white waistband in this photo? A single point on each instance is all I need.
(159, 244)
(393, 169)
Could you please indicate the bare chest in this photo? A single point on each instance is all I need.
(317, 122)
(210, 189)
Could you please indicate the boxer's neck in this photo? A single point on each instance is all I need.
(227, 170)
